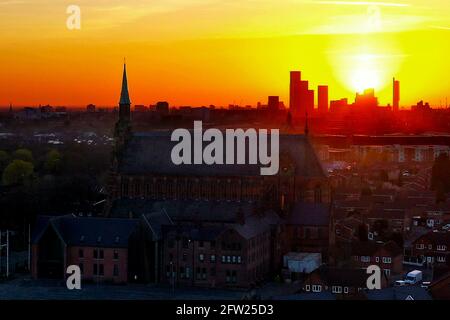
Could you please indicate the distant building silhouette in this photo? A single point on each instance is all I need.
(396, 94)
(90, 108)
(273, 103)
(322, 97)
(294, 92)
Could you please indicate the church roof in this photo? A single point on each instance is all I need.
(150, 153)
(124, 96)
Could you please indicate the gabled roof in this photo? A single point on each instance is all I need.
(370, 248)
(87, 232)
(256, 224)
(184, 210)
(399, 293)
(437, 237)
(150, 153)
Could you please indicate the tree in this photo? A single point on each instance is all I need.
(53, 161)
(23, 154)
(18, 172)
(4, 159)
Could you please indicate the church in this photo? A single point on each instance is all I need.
(214, 225)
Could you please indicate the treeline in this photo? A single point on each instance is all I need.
(58, 180)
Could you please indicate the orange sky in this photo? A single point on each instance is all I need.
(201, 52)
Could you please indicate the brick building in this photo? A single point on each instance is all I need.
(388, 256)
(98, 246)
(431, 248)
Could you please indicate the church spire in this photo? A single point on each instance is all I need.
(124, 96)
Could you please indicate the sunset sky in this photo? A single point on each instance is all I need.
(201, 52)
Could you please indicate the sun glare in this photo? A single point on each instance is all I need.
(365, 74)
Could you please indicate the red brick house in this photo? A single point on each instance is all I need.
(432, 248)
(388, 256)
(229, 255)
(307, 228)
(98, 246)
(344, 283)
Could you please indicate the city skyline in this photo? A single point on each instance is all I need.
(220, 53)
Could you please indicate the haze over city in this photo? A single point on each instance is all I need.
(222, 52)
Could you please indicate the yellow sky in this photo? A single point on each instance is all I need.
(201, 52)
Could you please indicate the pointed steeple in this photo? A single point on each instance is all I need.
(124, 96)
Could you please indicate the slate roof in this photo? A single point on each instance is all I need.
(309, 214)
(255, 225)
(150, 153)
(184, 210)
(87, 232)
(197, 233)
(399, 293)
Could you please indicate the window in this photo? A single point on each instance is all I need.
(377, 259)
(184, 256)
(201, 257)
(200, 244)
(101, 269)
(441, 247)
(228, 259)
(440, 259)
(212, 244)
(239, 260)
(345, 289)
(80, 253)
(95, 254)
(420, 246)
(234, 276)
(228, 276)
(365, 259)
(317, 288)
(387, 259)
(116, 270)
(204, 273)
(95, 269)
(81, 265)
(307, 287)
(234, 259)
(387, 272)
(337, 289)
(188, 272)
(116, 255)
(430, 246)
(213, 258)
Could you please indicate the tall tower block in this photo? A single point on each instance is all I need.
(395, 94)
(322, 99)
(294, 92)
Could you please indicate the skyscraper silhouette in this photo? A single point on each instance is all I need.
(294, 92)
(395, 94)
(322, 99)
